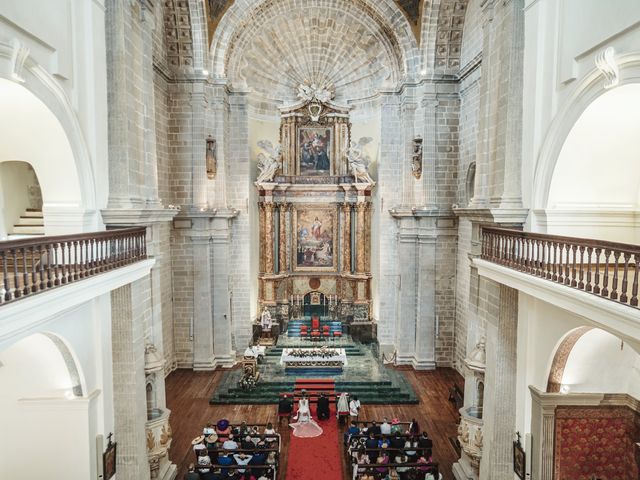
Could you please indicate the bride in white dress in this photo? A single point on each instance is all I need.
(305, 426)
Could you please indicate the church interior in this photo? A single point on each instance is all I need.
(320, 239)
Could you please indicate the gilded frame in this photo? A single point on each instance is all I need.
(308, 130)
(311, 244)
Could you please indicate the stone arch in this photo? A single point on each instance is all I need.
(560, 357)
(441, 36)
(385, 14)
(46, 133)
(185, 34)
(583, 95)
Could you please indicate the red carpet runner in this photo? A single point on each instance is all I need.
(316, 458)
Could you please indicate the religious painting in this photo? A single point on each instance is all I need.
(314, 151)
(315, 298)
(315, 229)
(518, 459)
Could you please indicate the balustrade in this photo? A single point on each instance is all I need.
(606, 269)
(32, 265)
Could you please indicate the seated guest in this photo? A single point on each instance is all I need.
(242, 459)
(323, 407)
(209, 429)
(191, 473)
(385, 427)
(397, 441)
(371, 443)
(225, 459)
(204, 461)
(258, 458)
(374, 428)
(248, 475)
(382, 459)
(410, 449)
(384, 442)
(400, 458)
(360, 457)
(198, 444)
(395, 426)
(212, 440)
(425, 444)
(242, 430)
(212, 475)
(230, 443)
(285, 406)
(352, 430)
(247, 443)
(223, 429)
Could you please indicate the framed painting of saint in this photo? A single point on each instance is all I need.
(314, 151)
(315, 240)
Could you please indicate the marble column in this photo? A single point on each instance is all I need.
(424, 358)
(128, 304)
(203, 356)
(430, 152)
(268, 238)
(361, 234)
(500, 386)
(345, 235)
(282, 257)
(263, 246)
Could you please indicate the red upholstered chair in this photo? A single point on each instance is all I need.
(337, 333)
(325, 331)
(303, 331)
(315, 323)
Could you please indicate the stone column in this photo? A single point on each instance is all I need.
(128, 304)
(198, 147)
(150, 180)
(345, 235)
(117, 17)
(430, 151)
(223, 352)
(263, 247)
(283, 207)
(500, 389)
(406, 318)
(361, 234)
(485, 143)
(426, 301)
(268, 238)
(203, 357)
(408, 111)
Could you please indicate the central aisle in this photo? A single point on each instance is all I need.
(316, 458)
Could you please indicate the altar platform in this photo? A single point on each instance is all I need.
(364, 375)
(326, 358)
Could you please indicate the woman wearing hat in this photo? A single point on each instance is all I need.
(223, 429)
(198, 444)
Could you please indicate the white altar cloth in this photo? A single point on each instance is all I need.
(287, 359)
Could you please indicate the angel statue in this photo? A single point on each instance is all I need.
(358, 162)
(268, 162)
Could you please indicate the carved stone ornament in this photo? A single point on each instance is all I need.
(151, 441)
(166, 434)
(153, 362)
(309, 92)
(477, 359)
(606, 63)
(268, 161)
(471, 437)
(416, 158)
(18, 57)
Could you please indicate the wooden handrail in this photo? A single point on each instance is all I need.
(607, 269)
(33, 265)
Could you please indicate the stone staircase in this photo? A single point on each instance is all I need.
(30, 223)
(293, 328)
(363, 376)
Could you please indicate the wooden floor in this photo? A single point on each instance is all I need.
(188, 396)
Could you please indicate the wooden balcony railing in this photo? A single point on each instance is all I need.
(606, 269)
(34, 265)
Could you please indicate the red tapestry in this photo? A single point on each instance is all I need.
(596, 441)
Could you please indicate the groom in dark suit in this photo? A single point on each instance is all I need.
(323, 407)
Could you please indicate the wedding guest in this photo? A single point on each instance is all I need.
(385, 427)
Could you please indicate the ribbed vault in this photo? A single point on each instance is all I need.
(358, 46)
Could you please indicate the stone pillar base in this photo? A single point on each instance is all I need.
(171, 473)
(204, 365)
(226, 361)
(463, 471)
(423, 364)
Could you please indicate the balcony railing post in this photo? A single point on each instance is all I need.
(625, 279)
(614, 283)
(34, 265)
(605, 277)
(634, 288)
